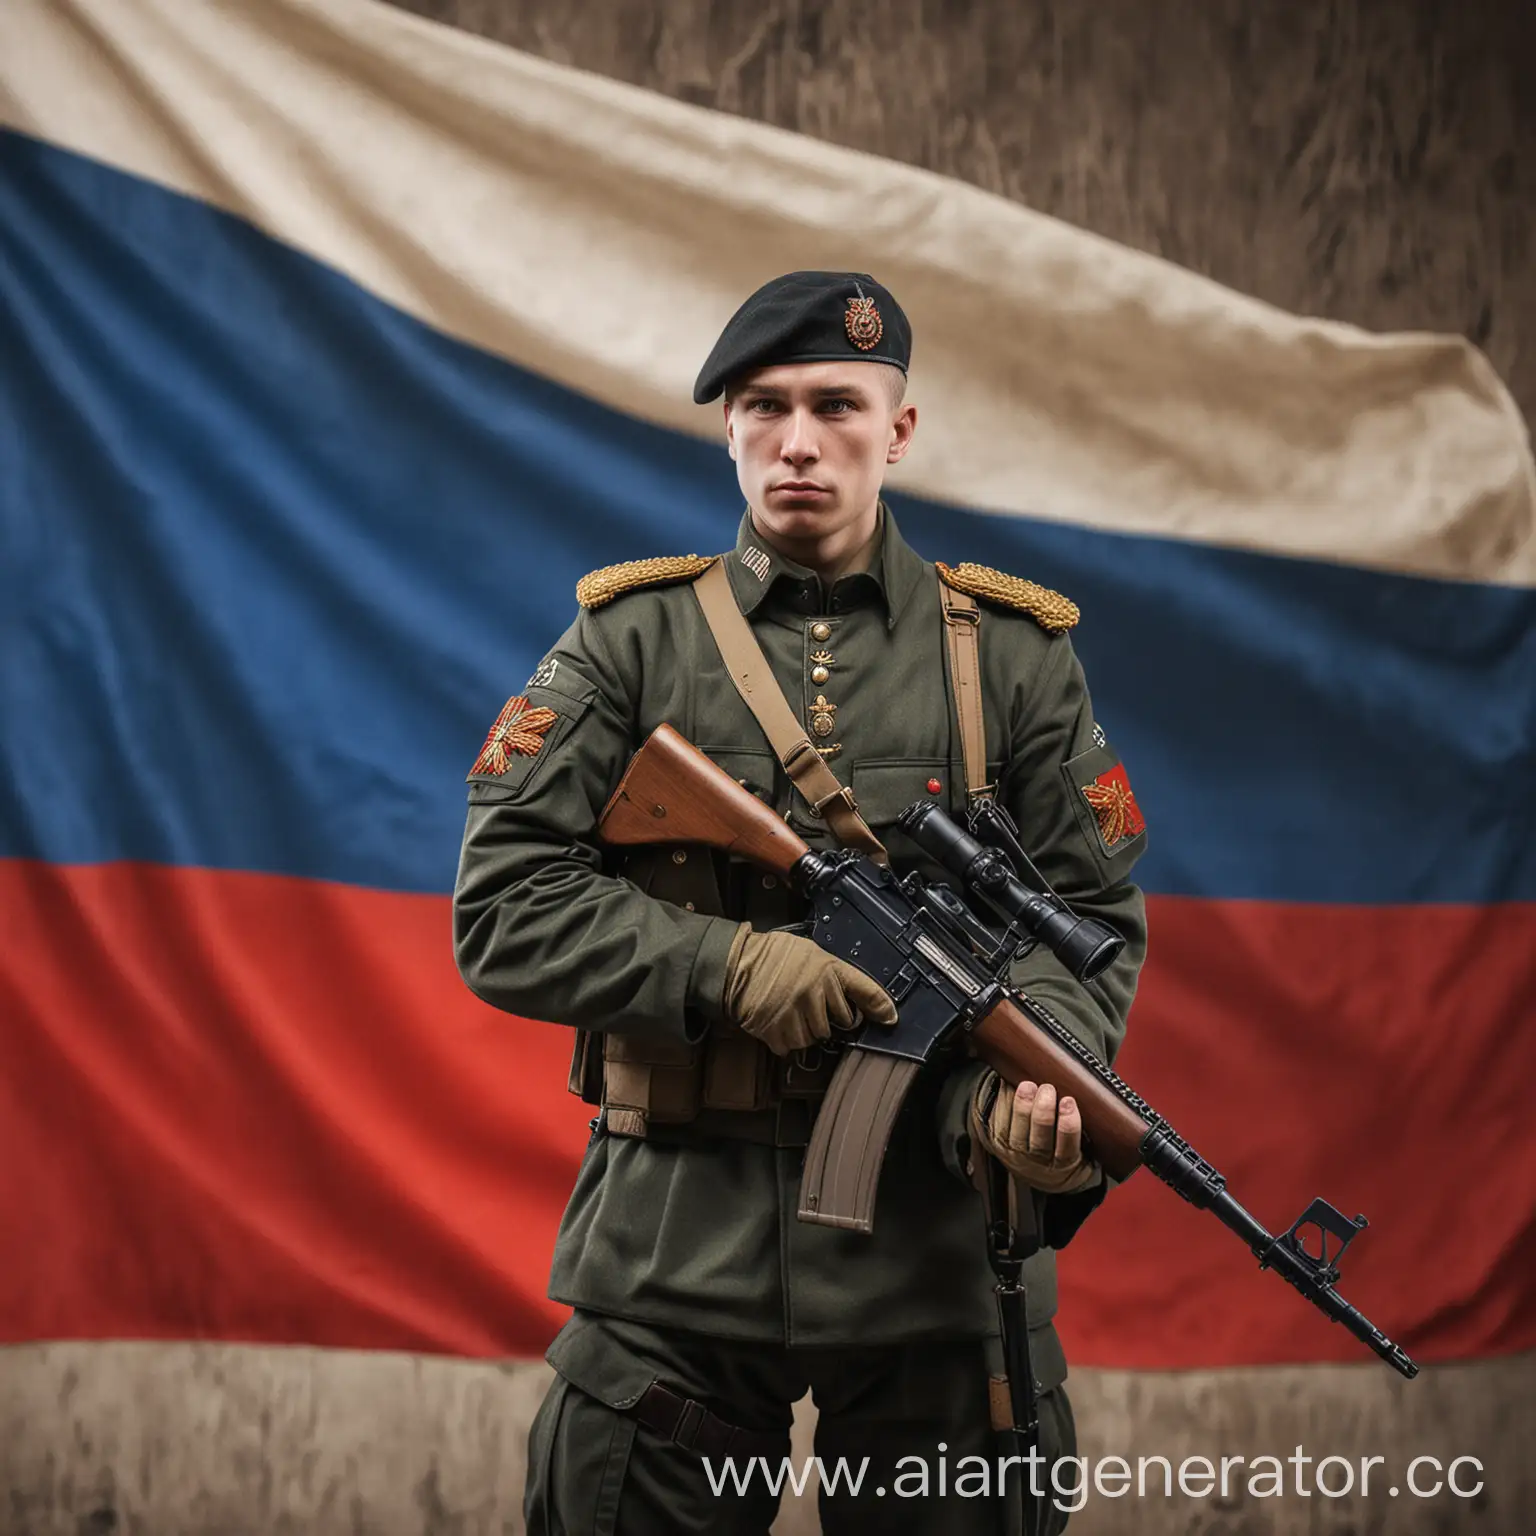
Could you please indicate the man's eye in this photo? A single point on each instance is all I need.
(837, 407)
(762, 407)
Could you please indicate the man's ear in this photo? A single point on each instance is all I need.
(902, 428)
(730, 430)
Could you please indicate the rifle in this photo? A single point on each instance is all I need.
(946, 969)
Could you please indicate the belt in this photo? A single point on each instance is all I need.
(692, 1426)
(786, 1124)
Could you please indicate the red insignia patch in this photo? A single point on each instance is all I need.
(518, 732)
(1115, 806)
(863, 323)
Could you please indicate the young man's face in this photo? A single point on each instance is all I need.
(812, 442)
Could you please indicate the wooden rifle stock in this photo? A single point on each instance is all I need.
(1019, 1051)
(672, 793)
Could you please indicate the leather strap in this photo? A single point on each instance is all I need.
(688, 1423)
(962, 629)
(754, 681)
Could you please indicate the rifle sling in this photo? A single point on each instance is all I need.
(754, 681)
(962, 629)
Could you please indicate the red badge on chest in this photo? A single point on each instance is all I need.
(518, 732)
(1115, 806)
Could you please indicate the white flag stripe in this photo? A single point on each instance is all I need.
(599, 235)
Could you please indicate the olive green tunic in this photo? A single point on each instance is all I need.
(701, 1233)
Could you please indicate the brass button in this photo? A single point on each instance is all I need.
(821, 631)
(819, 674)
(679, 855)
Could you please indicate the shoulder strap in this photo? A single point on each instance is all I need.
(962, 628)
(754, 681)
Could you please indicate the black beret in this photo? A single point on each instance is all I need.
(808, 317)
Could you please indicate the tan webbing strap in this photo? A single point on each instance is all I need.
(962, 628)
(754, 681)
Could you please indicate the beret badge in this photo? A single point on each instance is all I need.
(862, 322)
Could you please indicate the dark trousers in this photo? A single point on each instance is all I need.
(910, 1423)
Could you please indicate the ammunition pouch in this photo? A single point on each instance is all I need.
(727, 1083)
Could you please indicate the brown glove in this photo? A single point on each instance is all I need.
(1039, 1145)
(789, 992)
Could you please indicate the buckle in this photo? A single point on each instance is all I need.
(961, 615)
(689, 1423)
(843, 792)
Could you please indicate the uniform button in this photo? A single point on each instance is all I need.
(821, 631)
(819, 674)
(770, 882)
(679, 855)
(688, 906)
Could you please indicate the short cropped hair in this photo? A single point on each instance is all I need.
(895, 383)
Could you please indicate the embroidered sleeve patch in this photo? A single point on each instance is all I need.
(1114, 805)
(518, 732)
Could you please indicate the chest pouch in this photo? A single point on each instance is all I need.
(641, 1082)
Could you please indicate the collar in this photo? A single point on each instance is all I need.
(757, 570)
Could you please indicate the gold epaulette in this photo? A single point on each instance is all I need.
(599, 587)
(1050, 610)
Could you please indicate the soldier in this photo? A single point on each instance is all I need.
(702, 1308)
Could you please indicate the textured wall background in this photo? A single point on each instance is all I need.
(218, 1440)
(1368, 160)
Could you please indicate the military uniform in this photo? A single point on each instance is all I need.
(692, 1281)
(692, 1227)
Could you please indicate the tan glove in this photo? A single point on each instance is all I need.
(1038, 1144)
(789, 992)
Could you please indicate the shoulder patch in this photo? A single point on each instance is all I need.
(1050, 610)
(599, 587)
(518, 732)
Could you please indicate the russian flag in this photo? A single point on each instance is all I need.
(336, 346)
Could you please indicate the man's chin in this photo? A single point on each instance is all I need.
(798, 516)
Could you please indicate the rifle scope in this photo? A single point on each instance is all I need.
(1082, 944)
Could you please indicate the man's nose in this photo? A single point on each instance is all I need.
(800, 439)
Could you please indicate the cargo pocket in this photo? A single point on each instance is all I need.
(590, 1446)
(578, 1457)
